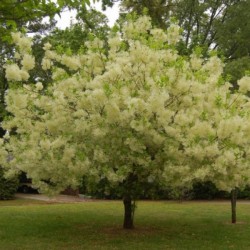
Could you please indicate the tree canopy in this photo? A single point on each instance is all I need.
(135, 114)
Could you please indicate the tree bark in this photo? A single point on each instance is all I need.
(233, 204)
(128, 212)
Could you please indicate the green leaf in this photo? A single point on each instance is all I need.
(107, 89)
(11, 23)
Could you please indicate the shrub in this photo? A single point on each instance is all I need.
(8, 187)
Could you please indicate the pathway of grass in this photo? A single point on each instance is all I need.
(97, 225)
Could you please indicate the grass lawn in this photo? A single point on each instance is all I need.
(35, 225)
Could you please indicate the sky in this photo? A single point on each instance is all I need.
(66, 17)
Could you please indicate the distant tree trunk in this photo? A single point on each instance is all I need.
(233, 204)
(128, 212)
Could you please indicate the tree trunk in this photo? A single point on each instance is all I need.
(233, 204)
(128, 212)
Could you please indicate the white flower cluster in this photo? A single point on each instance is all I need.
(46, 64)
(173, 34)
(159, 35)
(135, 29)
(244, 84)
(24, 43)
(196, 62)
(39, 86)
(14, 73)
(71, 62)
(27, 61)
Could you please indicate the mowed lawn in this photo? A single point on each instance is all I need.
(26, 224)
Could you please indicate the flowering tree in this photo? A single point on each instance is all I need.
(219, 139)
(137, 114)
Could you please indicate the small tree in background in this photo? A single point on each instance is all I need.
(223, 152)
(137, 114)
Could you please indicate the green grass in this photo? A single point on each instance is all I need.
(97, 225)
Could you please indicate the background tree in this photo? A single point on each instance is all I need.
(159, 11)
(89, 23)
(223, 154)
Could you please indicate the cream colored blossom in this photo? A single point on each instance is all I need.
(214, 65)
(46, 64)
(47, 46)
(17, 55)
(12, 73)
(21, 101)
(202, 129)
(28, 62)
(24, 75)
(141, 26)
(6, 136)
(173, 34)
(16, 37)
(196, 62)
(52, 55)
(39, 86)
(58, 74)
(114, 43)
(24, 44)
(71, 62)
(159, 35)
(244, 84)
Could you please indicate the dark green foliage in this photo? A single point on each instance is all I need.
(8, 187)
(158, 10)
(91, 23)
(232, 32)
(237, 68)
(206, 191)
(244, 194)
(103, 190)
(200, 191)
